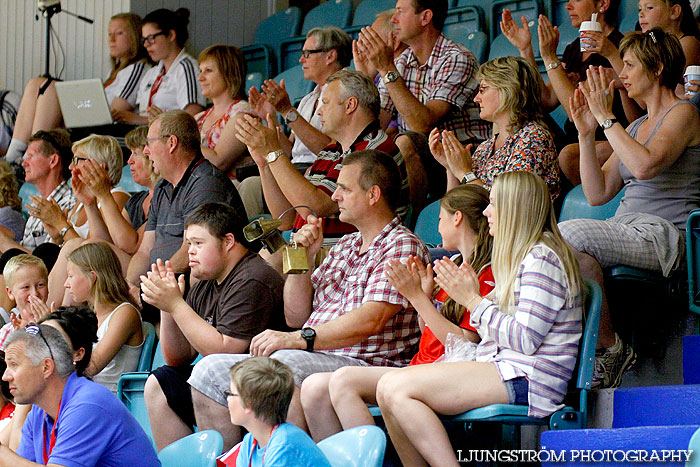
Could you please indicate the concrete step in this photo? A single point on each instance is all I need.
(656, 406)
(650, 445)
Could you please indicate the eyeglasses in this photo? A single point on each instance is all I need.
(151, 38)
(34, 329)
(228, 394)
(305, 53)
(77, 159)
(155, 138)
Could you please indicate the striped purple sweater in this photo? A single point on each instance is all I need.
(540, 341)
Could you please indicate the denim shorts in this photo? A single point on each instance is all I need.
(517, 390)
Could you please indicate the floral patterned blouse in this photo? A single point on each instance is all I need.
(211, 137)
(530, 149)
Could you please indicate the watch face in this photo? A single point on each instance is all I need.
(292, 116)
(308, 333)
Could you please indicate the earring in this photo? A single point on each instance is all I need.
(75, 362)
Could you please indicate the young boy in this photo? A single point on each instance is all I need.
(26, 280)
(261, 389)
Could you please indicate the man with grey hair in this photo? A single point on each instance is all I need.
(325, 51)
(73, 421)
(350, 115)
(188, 180)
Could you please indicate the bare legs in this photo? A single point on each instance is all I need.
(569, 159)
(590, 269)
(410, 397)
(37, 112)
(167, 427)
(211, 415)
(318, 410)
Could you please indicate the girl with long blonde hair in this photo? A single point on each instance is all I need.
(530, 326)
(95, 277)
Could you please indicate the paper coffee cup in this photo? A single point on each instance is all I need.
(691, 73)
(592, 25)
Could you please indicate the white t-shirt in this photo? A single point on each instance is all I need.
(127, 83)
(308, 108)
(178, 88)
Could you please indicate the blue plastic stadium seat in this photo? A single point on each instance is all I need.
(25, 191)
(427, 225)
(461, 21)
(149, 342)
(253, 80)
(262, 55)
(362, 446)
(365, 14)
(196, 450)
(297, 86)
(694, 445)
(330, 13)
(127, 181)
(576, 206)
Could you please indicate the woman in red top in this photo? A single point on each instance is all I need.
(338, 400)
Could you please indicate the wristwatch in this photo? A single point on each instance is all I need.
(273, 156)
(390, 77)
(309, 335)
(62, 234)
(608, 122)
(291, 116)
(468, 177)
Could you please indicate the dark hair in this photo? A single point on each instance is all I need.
(4, 385)
(55, 141)
(689, 27)
(610, 15)
(438, 7)
(169, 20)
(219, 219)
(656, 50)
(81, 326)
(378, 168)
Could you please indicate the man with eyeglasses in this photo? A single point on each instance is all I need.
(73, 421)
(188, 181)
(325, 51)
(45, 164)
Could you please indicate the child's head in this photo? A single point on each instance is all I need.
(264, 386)
(210, 230)
(25, 276)
(95, 275)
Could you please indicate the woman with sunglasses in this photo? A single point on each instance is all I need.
(39, 109)
(172, 83)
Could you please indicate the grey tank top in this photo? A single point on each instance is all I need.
(670, 195)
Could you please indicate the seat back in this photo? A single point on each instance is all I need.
(281, 25)
(528, 8)
(478, 43)
(149, 342)
(130, 392)
(427, 225)
(25, 191)
(253, 80)
(692, 239)
(467, 19)
(158, 360)
(367, 11)
(297, 86)
(501, 46)
(628, 12)
(362, 446)
(196, 450)
(330, 13)
(694, 445)
(576, 206)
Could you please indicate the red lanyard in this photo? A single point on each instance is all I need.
(255, 443)
(52, 442)
(156, 85)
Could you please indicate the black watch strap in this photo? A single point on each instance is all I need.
(309, 335)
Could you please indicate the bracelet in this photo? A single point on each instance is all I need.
(552, 65)
(470, 301)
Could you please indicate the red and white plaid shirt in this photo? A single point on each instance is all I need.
(448, 75)
(347, 279)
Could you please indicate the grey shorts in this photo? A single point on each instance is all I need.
(210, 375)
(638, 240)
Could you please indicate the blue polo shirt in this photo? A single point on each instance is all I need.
(93, 429)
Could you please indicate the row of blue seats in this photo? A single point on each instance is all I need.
(279, 39)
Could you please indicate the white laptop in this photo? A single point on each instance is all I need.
(83, 103)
